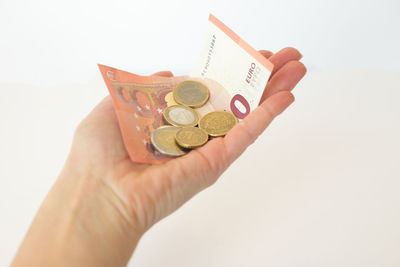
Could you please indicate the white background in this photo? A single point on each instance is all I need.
(319, 188)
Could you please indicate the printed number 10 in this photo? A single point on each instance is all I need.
(244, 107)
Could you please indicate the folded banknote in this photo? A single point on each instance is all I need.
(235, 73)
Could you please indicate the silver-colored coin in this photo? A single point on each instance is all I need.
(163, 139)
(181, 116)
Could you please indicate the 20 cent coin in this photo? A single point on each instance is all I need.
(217, 123)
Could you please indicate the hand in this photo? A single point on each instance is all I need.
(102, 202)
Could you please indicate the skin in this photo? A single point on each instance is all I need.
(102, 203)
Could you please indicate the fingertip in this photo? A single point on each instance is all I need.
(281, 58)
(293, 52)
(165, 73)
(293, 71)
(300, 67)
(278, 102)
(286, 98)
(266, 53)
(289, 97)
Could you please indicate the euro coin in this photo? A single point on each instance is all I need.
(191, 94)
(217, 123)
(191, 137)
(163, 139)
(181, 116)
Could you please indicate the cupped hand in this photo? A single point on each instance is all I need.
(102, 203)
(150, 192)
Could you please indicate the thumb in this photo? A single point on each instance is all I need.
(165, 73)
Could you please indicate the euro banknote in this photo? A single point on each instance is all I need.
(234, 71)
(139, 102)
(235, 74)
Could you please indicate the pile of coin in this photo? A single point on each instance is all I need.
(182, 134)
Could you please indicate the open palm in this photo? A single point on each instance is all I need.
(144, 193)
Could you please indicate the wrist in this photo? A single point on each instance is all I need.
(80, 223)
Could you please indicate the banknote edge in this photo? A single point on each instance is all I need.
(243, 44)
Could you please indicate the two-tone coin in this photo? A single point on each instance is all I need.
(191, 93)
(191, 137)
(163, 139)
(181, 116)
(217, 123)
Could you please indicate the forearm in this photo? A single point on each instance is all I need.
(78, 224)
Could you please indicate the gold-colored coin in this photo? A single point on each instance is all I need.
(191, 137)
(163, 139)
(169, 99)
(217, 123)
(181, 116)
(191, 94)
